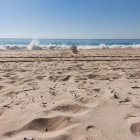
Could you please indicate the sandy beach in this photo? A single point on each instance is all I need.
(59, 95)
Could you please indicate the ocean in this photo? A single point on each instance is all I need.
(38, 44)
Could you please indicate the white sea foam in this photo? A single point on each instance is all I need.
(12, 47)
(44, 44)
(34, 45)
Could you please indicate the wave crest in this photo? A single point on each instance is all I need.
(34, 45)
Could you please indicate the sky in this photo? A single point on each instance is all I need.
(70, 19)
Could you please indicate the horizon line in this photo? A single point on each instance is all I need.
(69, 38)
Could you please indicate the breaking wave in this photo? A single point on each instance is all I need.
(36, 45)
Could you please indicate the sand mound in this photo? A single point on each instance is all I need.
(43, 125)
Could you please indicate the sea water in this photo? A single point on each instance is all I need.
(38, 44)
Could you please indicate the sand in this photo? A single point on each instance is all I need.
(92, 95)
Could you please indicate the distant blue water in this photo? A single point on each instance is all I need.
(66, 43)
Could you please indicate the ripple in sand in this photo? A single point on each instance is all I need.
(44, 125)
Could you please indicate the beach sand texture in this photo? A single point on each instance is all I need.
(92, 95)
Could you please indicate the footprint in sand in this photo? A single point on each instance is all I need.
(60, 78)
(90, 127)
(96, 134)
(88, 101)
(92, 133)
(134, 124)
(72, 108)
(39, 77)
(136, 102)
(66, 78)
(91, 76)
(1, 87)
(135, 129)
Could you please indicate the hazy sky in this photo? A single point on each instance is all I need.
(70, 18)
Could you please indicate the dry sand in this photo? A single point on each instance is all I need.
(90, 97)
